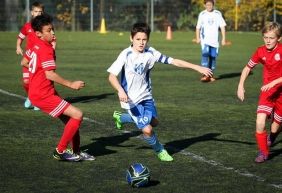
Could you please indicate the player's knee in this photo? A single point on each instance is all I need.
(147, 131)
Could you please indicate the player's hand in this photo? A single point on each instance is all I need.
(241, 93)
(19, 51)
(223, 42)
(122, 96)
(267, 86)
(198, 41)
(205, 71)
(76, 85)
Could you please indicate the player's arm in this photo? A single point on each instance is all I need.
(53, 76)
(241, 91)
(271, 84)
(24, 62)
(223, 33)
(198, 35)
(183, 64)
(116, 85)
(19, 50)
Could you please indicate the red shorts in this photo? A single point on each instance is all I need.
(25, 73)
(52, 105)
(271, 102)
(277, 117)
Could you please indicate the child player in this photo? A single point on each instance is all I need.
(209, 21)
(134, 89)
(27, 33)
(270, 56)
(42, 93)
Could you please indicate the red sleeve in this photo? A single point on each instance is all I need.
(23, 33)
(47, 59)
(255, 59)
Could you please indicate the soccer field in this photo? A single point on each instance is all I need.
(203, 125)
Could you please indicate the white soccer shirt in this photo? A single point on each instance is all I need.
(209, 24)
(135, 70)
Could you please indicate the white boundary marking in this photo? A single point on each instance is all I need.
(241, 172)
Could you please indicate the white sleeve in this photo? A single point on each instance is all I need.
(116, 67)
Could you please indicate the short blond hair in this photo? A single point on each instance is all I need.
(272, 26)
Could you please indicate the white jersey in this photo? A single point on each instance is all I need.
(135, 70)
(209, 24)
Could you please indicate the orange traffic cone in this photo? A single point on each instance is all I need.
(169, 33)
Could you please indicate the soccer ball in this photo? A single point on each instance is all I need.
(138, 175)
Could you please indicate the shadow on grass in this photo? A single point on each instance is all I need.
(87, 99)
(275, 152)
(179, 145)
(230, 75)
(99, 146)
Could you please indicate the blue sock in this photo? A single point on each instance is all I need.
(154, 142)
(126, 118)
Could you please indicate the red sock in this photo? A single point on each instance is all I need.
(70, 130)
(262, 142)
(76, 142)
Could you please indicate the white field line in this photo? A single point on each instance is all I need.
(241, 172)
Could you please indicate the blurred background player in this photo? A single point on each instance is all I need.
(27, 33)
(270, 56)
(134, 89)
(207, 33)
(42, 93)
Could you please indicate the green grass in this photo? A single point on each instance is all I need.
(208, 131)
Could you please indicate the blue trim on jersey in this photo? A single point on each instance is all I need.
(165, 58)
(150, 51)
(123, 81)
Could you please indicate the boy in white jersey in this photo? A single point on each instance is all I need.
(209, 22)
(134, 89)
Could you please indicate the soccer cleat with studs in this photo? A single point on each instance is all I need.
(164, 156)
(261, 157)
(116, 117)
(66, 156)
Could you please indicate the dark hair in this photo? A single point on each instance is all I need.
(38, 5)
(39, 21)
(212, 1)
(140, 27)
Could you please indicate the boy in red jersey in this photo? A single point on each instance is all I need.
(42, 93)
(270, 56)
(27, 32)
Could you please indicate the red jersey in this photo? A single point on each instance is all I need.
(42, 58)
(27, 32)
(271, 61)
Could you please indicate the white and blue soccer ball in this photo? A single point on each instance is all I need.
(138, 175)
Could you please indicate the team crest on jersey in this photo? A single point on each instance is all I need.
(277, 57)
(210, 21)
(139, 68)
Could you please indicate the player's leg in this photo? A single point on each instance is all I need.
(121, 118)
(212, 60)
(144, 114)
(71, 132)
(275, 126)
(205, 60)
(261, 138)
(25, 83)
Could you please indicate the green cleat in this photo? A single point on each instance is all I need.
(164, 156)
(117, 120)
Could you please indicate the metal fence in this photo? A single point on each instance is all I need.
(117, 15)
